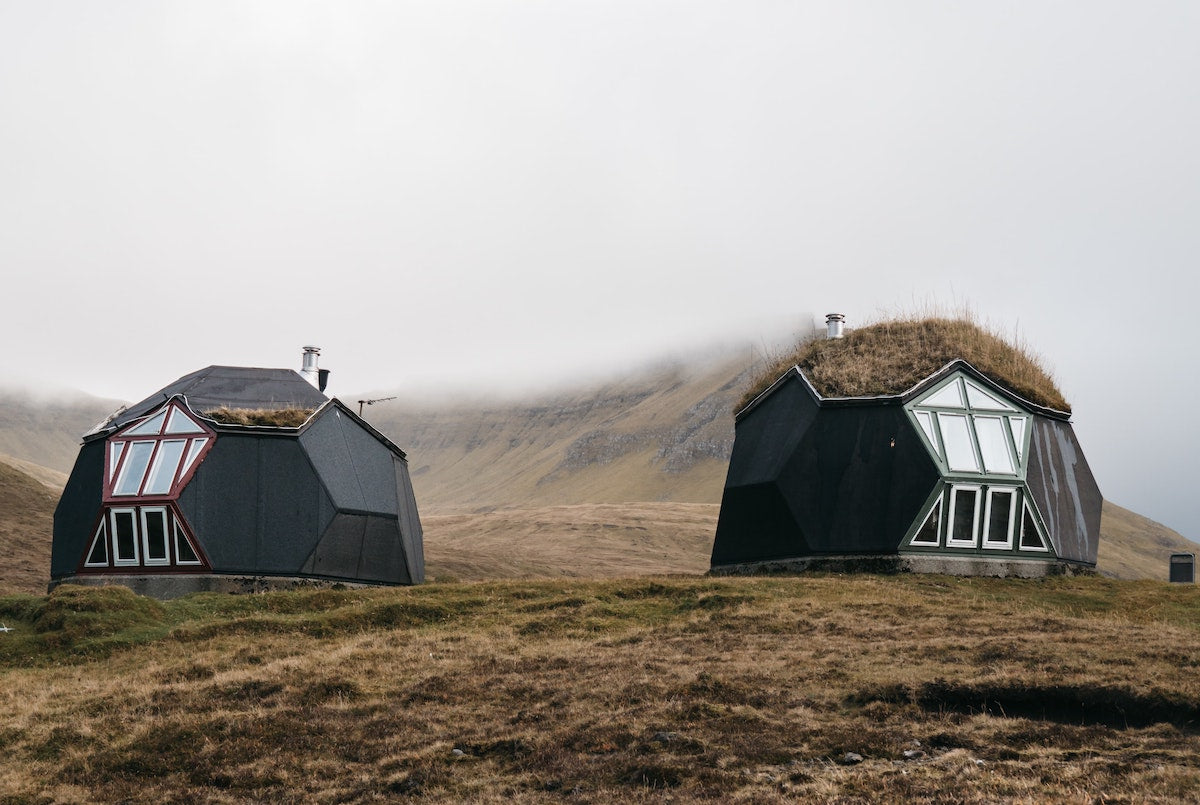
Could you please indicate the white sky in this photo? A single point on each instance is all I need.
(468, 194)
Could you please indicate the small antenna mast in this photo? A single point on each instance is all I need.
(361, 403)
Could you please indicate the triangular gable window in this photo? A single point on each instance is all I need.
(925, 419)
(98, 553)
(928, 533)
(178, 422)
(150, 427)
(185, 552)
(193, 451)
(1031, 535)
(947, 397)
(978, 398)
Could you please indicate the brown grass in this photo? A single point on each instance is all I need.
(587, 540)
(26, 525)
(749, 690)
(275, 418)
(892, 356)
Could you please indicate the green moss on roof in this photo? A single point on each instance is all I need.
(891, 357)
(275, 418)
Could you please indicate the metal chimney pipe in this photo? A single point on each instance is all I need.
(835, 322)
(309, 366)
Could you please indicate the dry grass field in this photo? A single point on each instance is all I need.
(850, 689)
(588, 540)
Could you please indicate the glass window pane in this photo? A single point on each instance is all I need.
(960, 451)
(1030, 538)
(150, 427)
(165, 465)
(947, 397)
(1018, 431)
(193, 451)
(154, 537)
(993, 444)
(962, 527)
(179, 422)
(999, 525)
(125, 537)
(928, 534)
(114, 457)
(130, 479)
(982, 399)
(99, 552)
(184, 555)
(926, 421)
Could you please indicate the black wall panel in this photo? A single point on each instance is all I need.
(78, 509)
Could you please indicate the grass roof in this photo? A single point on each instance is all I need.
(890, 357)
(275, 418)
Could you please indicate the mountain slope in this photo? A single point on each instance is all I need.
(660, 434)
(47, 431)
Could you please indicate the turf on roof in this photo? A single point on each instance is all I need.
(891, 357)
(277, 418)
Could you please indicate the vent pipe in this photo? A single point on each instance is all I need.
(835, 322)
(308, 368)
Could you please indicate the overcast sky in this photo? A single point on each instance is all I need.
(476, 194)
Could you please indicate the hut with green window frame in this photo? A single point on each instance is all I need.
(928, 445)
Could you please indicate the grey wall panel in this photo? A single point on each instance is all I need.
(383, 552)
(325, 443)
(766, 437)
(338, 552)
(78, 509)
(289, 506)
(1065, 491)
(373, 466)
(858, 479)
(411, 534)
(221, 504)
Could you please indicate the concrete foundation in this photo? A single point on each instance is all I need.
(908, 563)
(165, 587)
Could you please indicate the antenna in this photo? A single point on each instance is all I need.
(361, 403)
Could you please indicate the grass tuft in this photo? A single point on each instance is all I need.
(891, 356)
(263, 417)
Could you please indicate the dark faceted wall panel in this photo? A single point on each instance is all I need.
(288, 507)
(767, 436)
(329, 451)
(1065, 491)
(756, 524)
(806, 480)
(411, 534)
(340, 549)
(221, 503)
(77, 510)
(857, 479)
(383, 553)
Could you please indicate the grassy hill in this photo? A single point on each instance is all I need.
(913, 688)
(26, 526)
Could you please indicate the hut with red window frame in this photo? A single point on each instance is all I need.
(237, 478)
